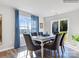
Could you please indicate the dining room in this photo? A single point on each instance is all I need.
(51, 40)
(39, 29)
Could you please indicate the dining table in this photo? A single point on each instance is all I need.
(42, 39)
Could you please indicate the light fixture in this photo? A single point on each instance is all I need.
(71, 1)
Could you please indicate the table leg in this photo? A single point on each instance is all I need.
(42, 49)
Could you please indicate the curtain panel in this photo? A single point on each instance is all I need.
(17, 31)
(35, 23)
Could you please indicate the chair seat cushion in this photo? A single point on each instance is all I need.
(50, 46)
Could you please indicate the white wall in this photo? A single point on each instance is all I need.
(73, 19)
(41, 20)
(8, 27)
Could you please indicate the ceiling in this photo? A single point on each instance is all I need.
(42, 8)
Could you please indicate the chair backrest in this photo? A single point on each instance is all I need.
(57, 41)
(62, 39)
(40, 33)
(28, 41)
(34, 34)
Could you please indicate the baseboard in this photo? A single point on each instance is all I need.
(6, 49)
(10, 48)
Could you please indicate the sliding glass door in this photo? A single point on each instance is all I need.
(25, 24)
(59, 26)
(28, 24)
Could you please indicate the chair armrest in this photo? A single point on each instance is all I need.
(49, 41)
(36, 42)
(46, 41)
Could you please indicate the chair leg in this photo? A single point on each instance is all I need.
(27, 54)
(50, 54)
(31, 53)
(58, 53)
(62, 50)
(55, 53)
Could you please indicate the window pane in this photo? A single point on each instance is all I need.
(63, 25)
(25, 24)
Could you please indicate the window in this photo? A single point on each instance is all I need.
(28, 24)
(59, 26)
(25, 24)
(55, 27)
(63, 25)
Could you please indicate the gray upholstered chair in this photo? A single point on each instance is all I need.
(30, 46)
(54, 45)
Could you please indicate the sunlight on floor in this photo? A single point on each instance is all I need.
(23, 54)
(72, 47)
